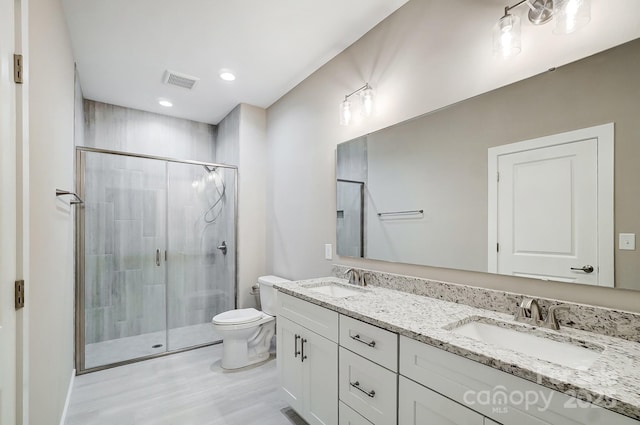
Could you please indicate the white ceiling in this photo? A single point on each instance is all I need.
(123, 47)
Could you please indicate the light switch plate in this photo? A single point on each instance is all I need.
(627, 241)
(328, 252)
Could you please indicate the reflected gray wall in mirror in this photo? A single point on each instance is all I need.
(438, 163)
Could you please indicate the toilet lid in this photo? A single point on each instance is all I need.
(237, 317)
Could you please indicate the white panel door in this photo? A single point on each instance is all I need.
(8, 223)
(548, 213)
(419, 405)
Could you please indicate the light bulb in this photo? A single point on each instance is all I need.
(570, 15)
(345, 112)
(506, 36)
(367, 101)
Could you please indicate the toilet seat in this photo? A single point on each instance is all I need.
(238, 316)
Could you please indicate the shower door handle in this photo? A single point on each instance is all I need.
(158, 257)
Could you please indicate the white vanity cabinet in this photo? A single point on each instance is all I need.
(307, 359)
(497, 395)
(334, 369)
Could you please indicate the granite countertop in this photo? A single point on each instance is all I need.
(612, 382)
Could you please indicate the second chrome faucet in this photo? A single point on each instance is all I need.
(529, 312)
(357, 277)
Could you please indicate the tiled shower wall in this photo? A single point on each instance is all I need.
(127, 220)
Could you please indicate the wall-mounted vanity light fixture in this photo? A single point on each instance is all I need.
(366, 99)
(568, 15)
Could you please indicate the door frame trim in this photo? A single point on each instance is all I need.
(605, 135)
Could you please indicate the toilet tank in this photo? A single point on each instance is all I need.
(268, 293)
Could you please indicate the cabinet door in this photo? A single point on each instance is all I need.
(320, 371)
(419, 405)
(288, 358)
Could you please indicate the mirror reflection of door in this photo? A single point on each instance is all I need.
(548, 198)
(350, 218)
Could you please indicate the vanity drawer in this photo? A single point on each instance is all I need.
(369, 341)
(466, 382)
(318, 319)
(368, 388)
(348, 416)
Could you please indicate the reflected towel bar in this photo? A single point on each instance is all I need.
(77, 200)
(401, 212)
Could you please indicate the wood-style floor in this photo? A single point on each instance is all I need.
(187, 388)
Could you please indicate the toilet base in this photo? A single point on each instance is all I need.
(241, 349)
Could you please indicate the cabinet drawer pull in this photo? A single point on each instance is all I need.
(356, 385)
(303, 356)
(295, 344)
(356, 337)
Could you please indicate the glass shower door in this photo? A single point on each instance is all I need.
(201, 251)
(124, 241)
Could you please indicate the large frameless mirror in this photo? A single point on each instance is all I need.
(517, 181)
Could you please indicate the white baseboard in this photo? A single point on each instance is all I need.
(63, 418)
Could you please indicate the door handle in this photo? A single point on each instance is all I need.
(295, 346)
(158, 257)
(303, 356)
(586, 269)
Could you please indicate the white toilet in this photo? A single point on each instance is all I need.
(246, 333)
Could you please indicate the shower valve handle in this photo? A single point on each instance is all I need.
(223, 248)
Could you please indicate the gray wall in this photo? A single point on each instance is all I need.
(130, 130)
(241, 141)
(398, 59)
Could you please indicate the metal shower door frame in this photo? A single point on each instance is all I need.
(79, 334)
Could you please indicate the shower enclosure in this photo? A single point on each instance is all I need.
(156, 257)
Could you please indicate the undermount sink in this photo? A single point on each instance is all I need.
(335, 290)
(563, 353)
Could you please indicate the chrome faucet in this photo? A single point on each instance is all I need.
(551, 321)
(354, 276)
(529, 312)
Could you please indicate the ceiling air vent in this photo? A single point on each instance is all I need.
(180, 80)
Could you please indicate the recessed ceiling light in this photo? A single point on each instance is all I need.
(165, 103)
(227, 75)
